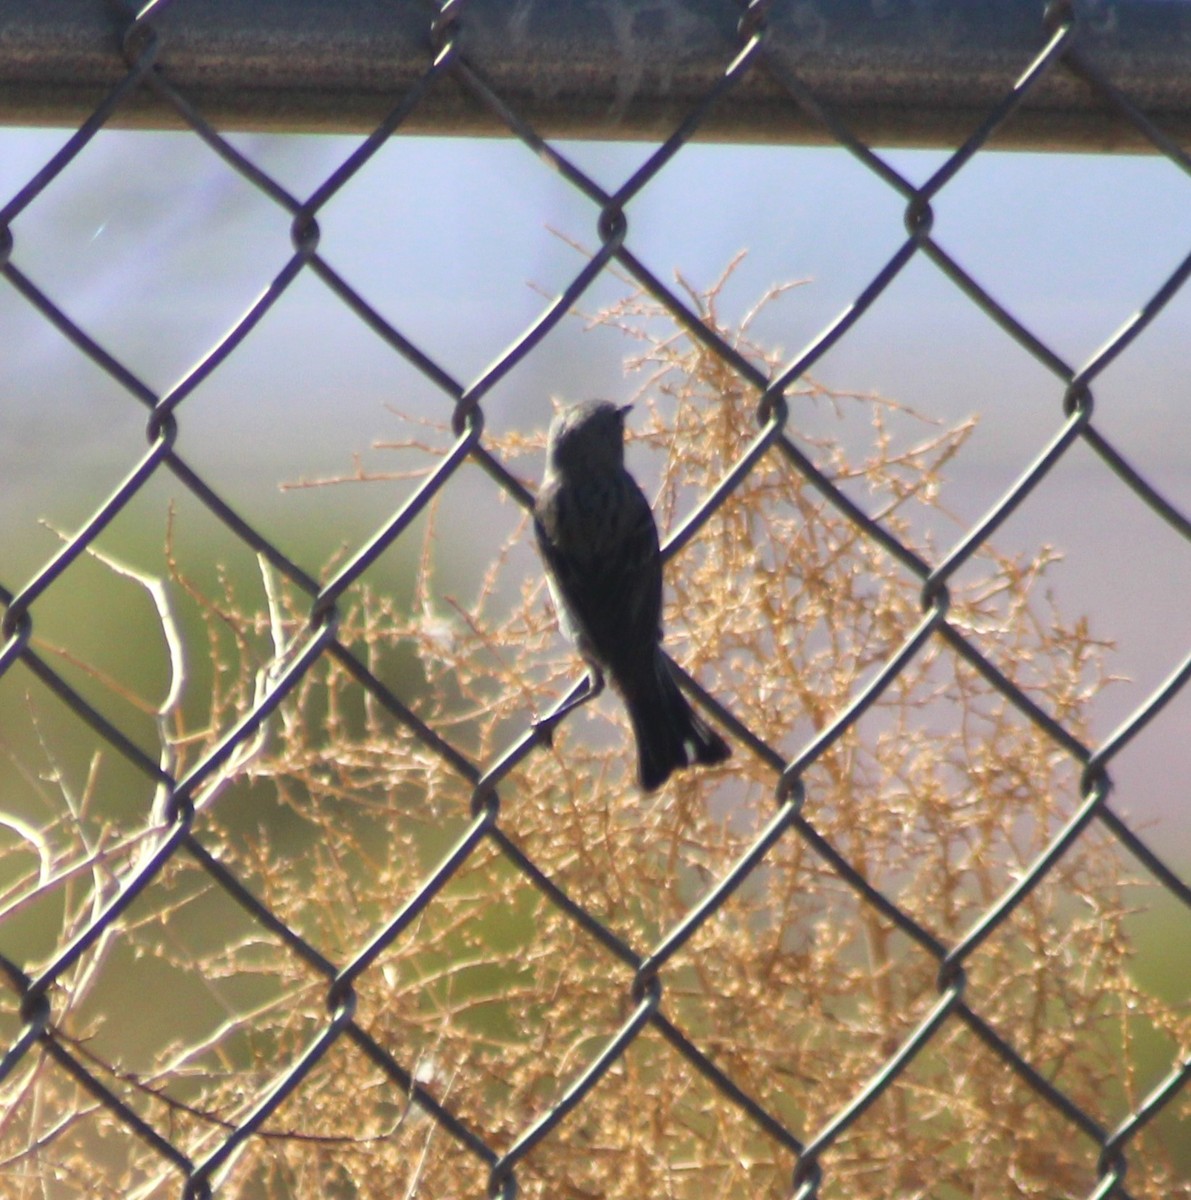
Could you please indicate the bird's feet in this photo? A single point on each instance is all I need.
(544, 726)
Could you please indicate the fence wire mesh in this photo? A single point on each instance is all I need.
(643, 976)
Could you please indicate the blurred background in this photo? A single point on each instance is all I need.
(155, 247)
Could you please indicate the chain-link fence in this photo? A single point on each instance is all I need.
(454, 80)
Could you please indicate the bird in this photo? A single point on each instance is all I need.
(599, 544)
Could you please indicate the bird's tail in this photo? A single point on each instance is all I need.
(670, 734)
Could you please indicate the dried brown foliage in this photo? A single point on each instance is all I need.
(799, 991)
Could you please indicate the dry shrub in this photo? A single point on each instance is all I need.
(797, 989)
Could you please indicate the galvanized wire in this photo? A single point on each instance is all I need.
(1058, 53)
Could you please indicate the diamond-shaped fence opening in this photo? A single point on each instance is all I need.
(316, 874)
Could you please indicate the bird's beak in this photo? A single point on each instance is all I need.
(625, 409)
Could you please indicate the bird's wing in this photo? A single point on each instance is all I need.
(606, 570)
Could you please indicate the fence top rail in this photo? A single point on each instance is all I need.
(897, 72)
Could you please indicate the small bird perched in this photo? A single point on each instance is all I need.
(598, 540)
